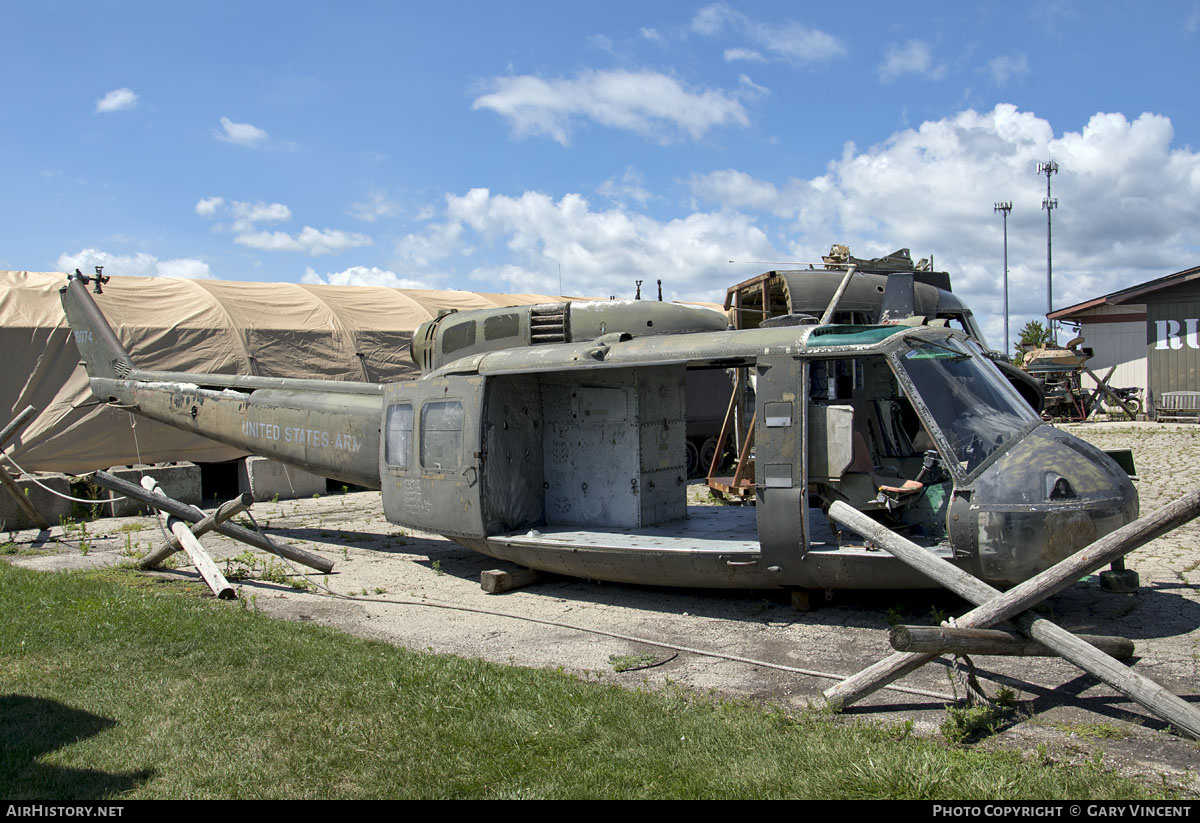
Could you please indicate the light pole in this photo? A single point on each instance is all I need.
(1049, 204)
(1004, 208)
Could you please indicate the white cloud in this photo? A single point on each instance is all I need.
(1129, 204)
(789, 41)
(137, 265)
(243, 134)
(116, 100)
(711, 19)
(629, 187)
(376, 206)
(362, 276)
(1005, 67)
(525, 239)
(183, 267)
(735, 189)
(646, 103)
(421, 252)
(743, 54)
(914, 57)
(246, 214)
(310, 241)
(209, 206)
(653, 35)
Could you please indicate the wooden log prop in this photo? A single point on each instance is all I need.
(17, 424)
(191, 514)
(953, 640)
(23, 501)
(200, 559)
(1022, 597)
(226, 510)
(14, 426)
(995, 606)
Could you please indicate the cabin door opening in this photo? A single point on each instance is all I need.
(613, 446)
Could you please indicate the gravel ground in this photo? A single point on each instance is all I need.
(390, 583)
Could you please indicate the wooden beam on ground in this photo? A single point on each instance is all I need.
(1179, 713)
(228, 509)
(953, 640)
(498, 581)
(203, 563)
(191, 514)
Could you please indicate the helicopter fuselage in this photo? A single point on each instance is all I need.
(570, 456)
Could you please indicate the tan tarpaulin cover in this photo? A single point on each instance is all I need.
(170, 324)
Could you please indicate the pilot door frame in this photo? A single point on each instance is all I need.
(420, 486)
(781, 467)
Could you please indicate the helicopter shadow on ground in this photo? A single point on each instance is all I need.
(854, 609)
(1157, 610)
(33, 727)
(1070, 694)
(337, 539)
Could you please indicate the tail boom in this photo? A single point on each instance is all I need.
(327, 427)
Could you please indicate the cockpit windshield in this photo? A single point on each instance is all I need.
(971, 404)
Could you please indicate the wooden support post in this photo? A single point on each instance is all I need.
(192, 515)
(200, 559)
(17, 424)
(22, 501)
(744, 454)
(226, 510)
(953, 640)
(7, 434)
(498, 581)
(994, 606)
(802, 600)
(725, 425)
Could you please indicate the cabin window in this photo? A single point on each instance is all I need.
(441, 434)
(399, 435)
(501, 326)
(458, 336)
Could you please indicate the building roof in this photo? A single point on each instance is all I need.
(1133, 294)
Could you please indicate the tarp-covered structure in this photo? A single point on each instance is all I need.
(172, 324)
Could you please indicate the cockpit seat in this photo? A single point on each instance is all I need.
(886, 484)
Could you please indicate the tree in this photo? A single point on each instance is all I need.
(1032, 333)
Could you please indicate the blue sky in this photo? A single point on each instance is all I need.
(487, 146)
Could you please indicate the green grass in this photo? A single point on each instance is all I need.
(119, 685)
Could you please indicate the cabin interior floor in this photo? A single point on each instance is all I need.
(715, 529)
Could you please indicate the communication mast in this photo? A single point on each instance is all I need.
(1004, 208)
(1049, 204)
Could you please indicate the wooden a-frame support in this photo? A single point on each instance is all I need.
(180, 514)
(994, 607)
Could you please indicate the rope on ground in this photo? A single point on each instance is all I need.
(44, 487)
(434, 604)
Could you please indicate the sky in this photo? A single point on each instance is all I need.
(552, 147)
